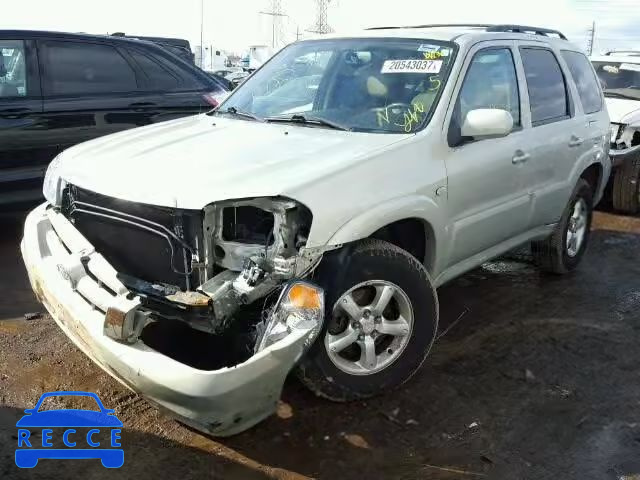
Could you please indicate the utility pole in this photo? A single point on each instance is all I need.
(322, 24)
(592, 37)
(276, 15)
(201, 33)
(298, 34)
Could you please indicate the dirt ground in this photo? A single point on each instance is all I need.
(536, 378)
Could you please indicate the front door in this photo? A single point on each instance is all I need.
(487, 201)
(23, 153)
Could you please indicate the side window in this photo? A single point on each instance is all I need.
(491, 82)
(159, 78)
(585, 79)
(13, 72)
(85, 68)
(546, 86)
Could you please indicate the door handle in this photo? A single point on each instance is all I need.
(520, 157)
(141, 106)
(575, 141)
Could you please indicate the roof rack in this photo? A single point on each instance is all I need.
(630, 53)
(486, 27)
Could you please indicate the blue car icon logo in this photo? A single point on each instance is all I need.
(70, 425)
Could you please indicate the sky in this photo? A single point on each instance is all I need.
(235, 25)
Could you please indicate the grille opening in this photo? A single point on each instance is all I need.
(247, 224)
(200, 350)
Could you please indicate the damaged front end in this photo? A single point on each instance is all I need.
(203, 312)
(202, 268)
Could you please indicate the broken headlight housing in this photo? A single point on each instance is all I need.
(300, 306)
(53, 183)
(627, 136)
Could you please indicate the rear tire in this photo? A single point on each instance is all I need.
(562, 251)
(626, 187)
(398, 332)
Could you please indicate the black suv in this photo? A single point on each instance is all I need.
(60, 89)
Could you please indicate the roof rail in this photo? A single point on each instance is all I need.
(526, 29)
(434, 25)
(486, 27)
(630, 53)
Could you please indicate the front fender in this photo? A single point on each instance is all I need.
(383, 214)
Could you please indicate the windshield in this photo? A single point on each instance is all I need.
(368, 85)
(619, 79)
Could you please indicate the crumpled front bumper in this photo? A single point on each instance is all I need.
(222, 402)
(619, 156)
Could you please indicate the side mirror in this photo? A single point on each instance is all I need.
(487, 122)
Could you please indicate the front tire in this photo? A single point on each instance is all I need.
(626, 187)
(562, 251)
(381, 319)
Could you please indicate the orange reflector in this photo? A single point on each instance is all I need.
(304, 296)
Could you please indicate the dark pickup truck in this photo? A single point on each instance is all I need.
(60, 89)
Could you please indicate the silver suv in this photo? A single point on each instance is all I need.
(309, 219)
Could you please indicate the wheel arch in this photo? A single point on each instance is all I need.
(593, 175)
(414, 235)
(396, 222)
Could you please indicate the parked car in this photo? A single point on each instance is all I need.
(59, 89)
(219, 78)
(317, 234)
(228, 71)
(619, 75)
(236, 78)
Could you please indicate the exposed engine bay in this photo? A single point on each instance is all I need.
(197, 267)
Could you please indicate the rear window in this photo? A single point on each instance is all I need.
(72, 68)
(585, 80)
(158, 77)
(545, 83)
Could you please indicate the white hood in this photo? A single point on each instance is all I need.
(622, 110)
(191, 162)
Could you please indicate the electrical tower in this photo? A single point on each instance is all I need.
(276, 14)
(322, 24)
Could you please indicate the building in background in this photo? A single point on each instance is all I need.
(210, 57)
(257, 55)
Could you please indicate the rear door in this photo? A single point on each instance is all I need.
(23, 153)
(90, 89)
(556, 135)
(596, 124)
(170, 89)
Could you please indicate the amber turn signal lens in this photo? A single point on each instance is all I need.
(304, 296)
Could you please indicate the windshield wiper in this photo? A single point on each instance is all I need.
(619, 95)
(298, 118)
(241, 113)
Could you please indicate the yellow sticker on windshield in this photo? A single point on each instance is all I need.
(432, 55)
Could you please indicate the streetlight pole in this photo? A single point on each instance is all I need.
(201, 33)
